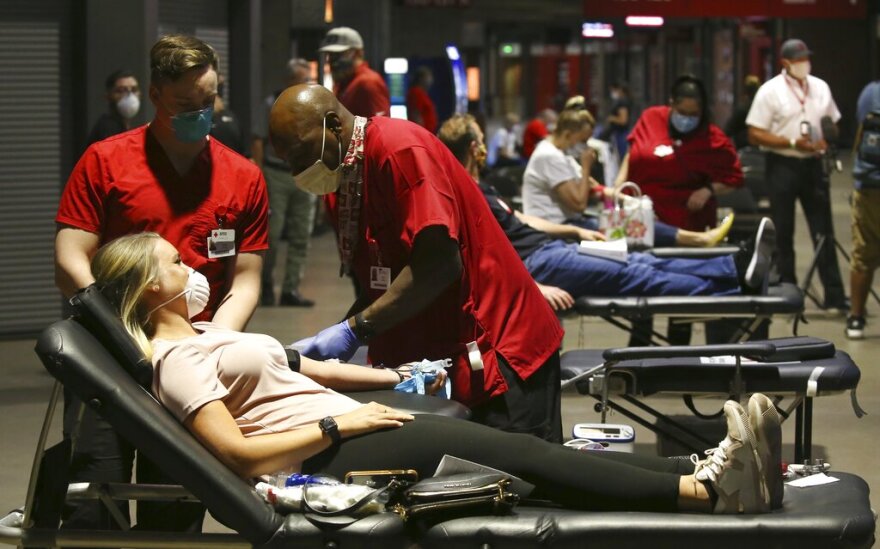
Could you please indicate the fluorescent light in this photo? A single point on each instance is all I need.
(597, 30)
(473, 83)
(398, 111)
(644, 21)
(396, 65)
(452, 53)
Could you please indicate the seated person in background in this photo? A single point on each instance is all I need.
(502, 148)
(554, 262)
(557, 188)
(216, 381)
(536, 130)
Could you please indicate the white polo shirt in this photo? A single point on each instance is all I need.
(781, 104)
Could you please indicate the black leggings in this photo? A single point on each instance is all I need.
(590, 480)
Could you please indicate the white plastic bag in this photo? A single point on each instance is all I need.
(632, 218)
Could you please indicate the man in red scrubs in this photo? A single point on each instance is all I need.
(171, 178)
(438, 278)
(419, 106)
(536, 130)
(361, 89)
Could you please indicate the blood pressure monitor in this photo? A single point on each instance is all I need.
(615, 437)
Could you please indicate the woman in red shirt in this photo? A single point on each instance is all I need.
(680, 159)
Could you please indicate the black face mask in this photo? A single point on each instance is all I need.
(342, 66)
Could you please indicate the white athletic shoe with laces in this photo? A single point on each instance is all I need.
(765, 423)
(733, 468)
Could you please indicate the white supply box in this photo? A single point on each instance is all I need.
(613, 436)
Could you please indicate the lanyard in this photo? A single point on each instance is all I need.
(806, 90)
(351, 195)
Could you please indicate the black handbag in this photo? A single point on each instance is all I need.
(463, 494)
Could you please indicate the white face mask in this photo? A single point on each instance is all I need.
(197, 292)
(128, 106)
(318, 178)
(799, 70)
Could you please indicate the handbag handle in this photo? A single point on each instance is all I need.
(618, 192)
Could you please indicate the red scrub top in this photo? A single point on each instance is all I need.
(534, 132)
(412, 181)
(670, 170)
(126, 184)
(418, 100)
(365, 94)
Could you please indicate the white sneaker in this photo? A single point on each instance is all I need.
(765, 423)
(733, 468)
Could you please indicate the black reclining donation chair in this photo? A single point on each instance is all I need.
(836, 515)
(797, 368)
(745, 313)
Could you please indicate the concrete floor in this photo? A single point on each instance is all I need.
(850, 444)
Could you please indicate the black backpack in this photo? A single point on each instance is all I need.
(868, 141)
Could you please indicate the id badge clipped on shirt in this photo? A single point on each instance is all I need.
(380, 278)
(221, 243)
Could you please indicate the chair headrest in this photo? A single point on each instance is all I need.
(100, 318)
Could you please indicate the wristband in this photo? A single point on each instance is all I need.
(399, 374)
(792, 143)
(363, 328)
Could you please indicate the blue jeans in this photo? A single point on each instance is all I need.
(559, 264)
(664, 234)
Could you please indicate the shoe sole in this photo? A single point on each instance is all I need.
(766, 425)
(855, 334)
(747, 497)
(765, 242)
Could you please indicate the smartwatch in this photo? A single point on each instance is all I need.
(328, 426)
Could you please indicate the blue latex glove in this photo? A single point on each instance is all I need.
(425, 373)
(337, 341)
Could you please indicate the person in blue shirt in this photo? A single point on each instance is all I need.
(865, 222)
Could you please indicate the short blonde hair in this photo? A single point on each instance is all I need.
(573, 121)
(175, 54)
(123, 269)
(457, 134)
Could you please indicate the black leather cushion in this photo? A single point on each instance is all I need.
(827, 517)
(781, 299)
(688, 375)
(93, 310)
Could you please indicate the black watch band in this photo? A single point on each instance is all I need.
(328, 425)
(363, 328)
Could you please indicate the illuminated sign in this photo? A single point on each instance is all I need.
(510, 49)
(459, 79)
(644, 20)
(396, 65)
(597, 30)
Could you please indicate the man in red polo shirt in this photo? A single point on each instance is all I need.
(419, 106)
(207, 200)
(361, 89)
(537, 129)
(438, 278)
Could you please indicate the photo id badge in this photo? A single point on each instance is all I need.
(380, 278)
(221, 243)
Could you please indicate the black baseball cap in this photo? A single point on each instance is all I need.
(794, 49)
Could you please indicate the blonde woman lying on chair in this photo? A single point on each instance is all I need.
(237, 394)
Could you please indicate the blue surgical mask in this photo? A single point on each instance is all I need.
(193, 126)
(683, 123)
